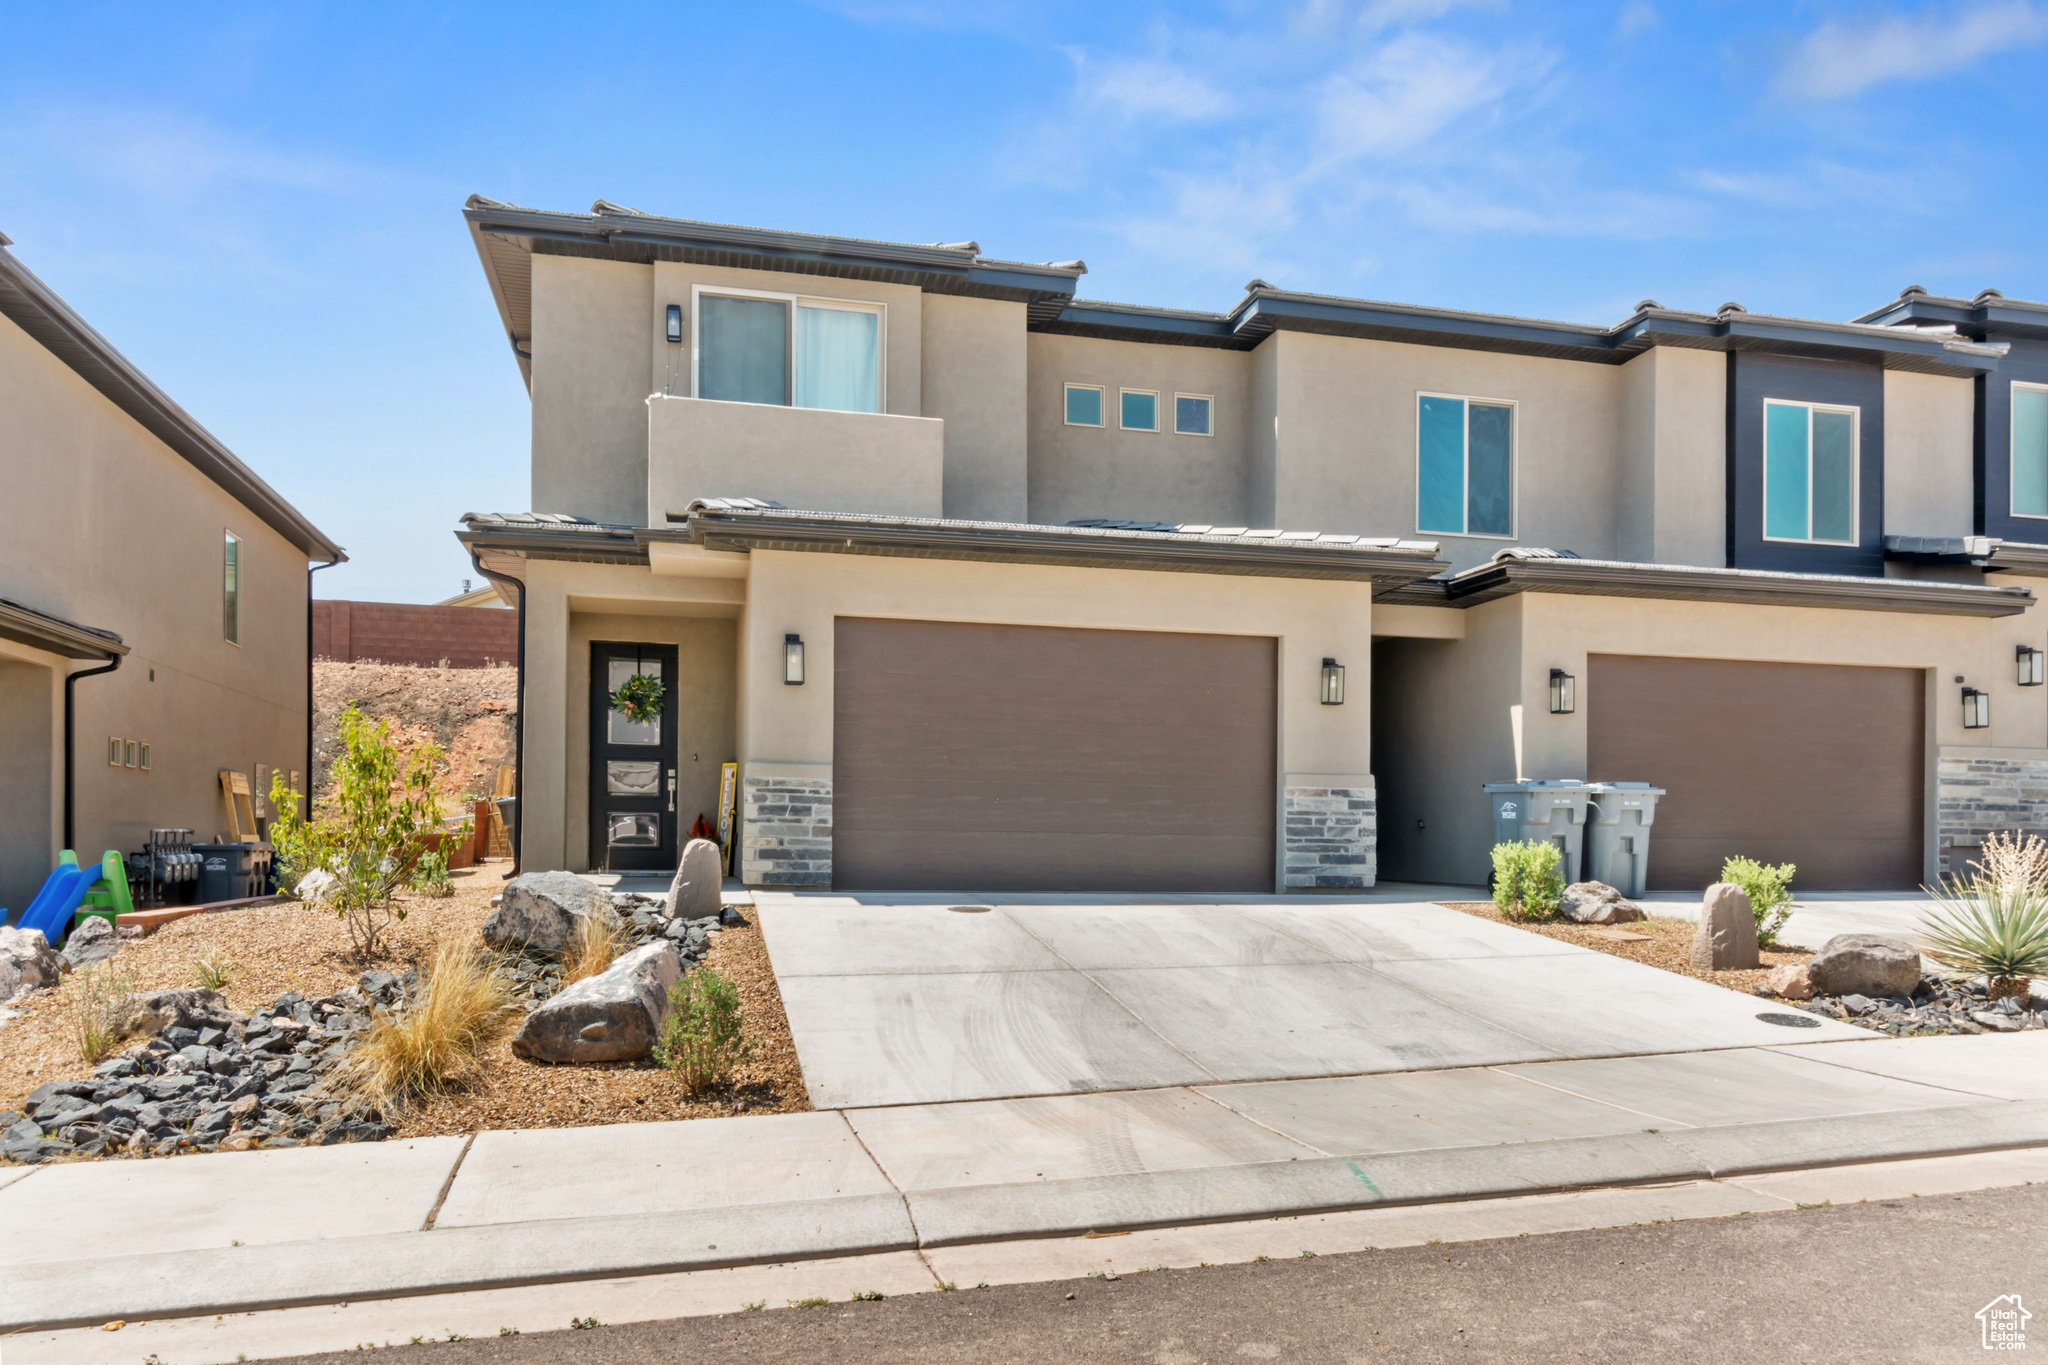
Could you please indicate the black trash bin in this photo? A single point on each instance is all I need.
(231, 872)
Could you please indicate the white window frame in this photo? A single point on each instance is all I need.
(881, 311)
(241, 585)
(1208, 398)
(1465, 501)
(1156, 426)
(2012, 418)
(1100, 392)
(1855, 473)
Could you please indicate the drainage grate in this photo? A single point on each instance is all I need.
(1790, 1020)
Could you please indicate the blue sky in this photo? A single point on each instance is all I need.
(260, 205)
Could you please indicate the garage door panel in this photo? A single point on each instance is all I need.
(1019, 757)
(1817, 765)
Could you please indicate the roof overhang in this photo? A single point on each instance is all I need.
(55, 635)
(1510, 572)
(508, 237)
(1990, 314)
(36, 309)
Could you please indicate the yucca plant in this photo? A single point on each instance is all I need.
(2013, 859)
(1999, 929)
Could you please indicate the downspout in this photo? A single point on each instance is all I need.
(311, 569)
(70, 757)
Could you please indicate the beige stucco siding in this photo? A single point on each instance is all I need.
(589, 386)
(1672, 473)
(800, 457)
(975, 370)
(1928, 455)
(1145, 476)
(120, 533)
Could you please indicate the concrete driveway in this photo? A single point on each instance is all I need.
(921, 1003)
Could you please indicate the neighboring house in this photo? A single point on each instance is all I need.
(486, 596)
(154, 625)
(438, 636)
(985, 586)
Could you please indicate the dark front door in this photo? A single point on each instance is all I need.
(632, 763)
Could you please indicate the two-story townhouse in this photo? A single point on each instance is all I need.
(154, 603)
(984, 586)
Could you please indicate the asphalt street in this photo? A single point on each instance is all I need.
(1899, 1281)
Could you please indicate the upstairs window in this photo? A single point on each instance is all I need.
(231, 591)
(1138, 410)
(1810, 473)
(1192, 414)
(2029, 450)
(1464, 466)
(1084, 405)
(790, 351)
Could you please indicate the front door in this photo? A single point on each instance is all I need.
(632, 761)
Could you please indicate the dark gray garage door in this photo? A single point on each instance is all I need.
(1020, 758)
(1810, 764)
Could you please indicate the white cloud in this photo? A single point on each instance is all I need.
(1637, 17)
(1140, 87)
(1413, 88)
(1840, 59)
(173, 157)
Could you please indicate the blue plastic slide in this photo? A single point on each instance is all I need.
(52, 908)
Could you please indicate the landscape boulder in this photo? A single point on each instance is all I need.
(1726, 938)
(1597, 903)
(1793, 981)
(1865, 964)
(92, 939)
(315, 886)
(540, 910)
(26, 962)
(190, 1007)
(699, 874)
(614, 1016)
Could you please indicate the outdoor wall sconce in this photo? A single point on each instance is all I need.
(1564, 693)
(1333, 683)
(675, 323)
(2029, 660)
(1976, 709)
(793, 660)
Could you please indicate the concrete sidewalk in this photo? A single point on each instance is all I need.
(222, 1233)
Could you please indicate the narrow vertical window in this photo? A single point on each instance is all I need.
(1464, 466)
(2029, 451)
(1809, 473)
(231, 591)
(1084, 405)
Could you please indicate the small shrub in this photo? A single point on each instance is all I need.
(596, 945)
(99, 1011)
(459, 1009)
(1770, 894)
(703, 1038)
(430, 875)
(1527, 883)
(215, 972)
(1997, 929)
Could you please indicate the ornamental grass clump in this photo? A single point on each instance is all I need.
(1769, 890)
(433, 1044)
(703, 1039)
(593, 947)
(1527, 883)
(98, 1011)
(1998, 930)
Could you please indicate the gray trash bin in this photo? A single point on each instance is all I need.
(1551, 809)
(231, 872)
(1618, 835)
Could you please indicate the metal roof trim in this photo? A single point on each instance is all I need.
(53, 634)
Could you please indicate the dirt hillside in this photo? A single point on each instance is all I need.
(469, 712)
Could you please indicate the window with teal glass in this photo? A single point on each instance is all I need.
(1464, 466)
(1084, 405)
(1810, 473)
(1138, 410)
(2029, 451)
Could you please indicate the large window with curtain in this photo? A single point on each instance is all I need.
(2029, 450)
(1810, 473)
(1464, 466)
(789, 350)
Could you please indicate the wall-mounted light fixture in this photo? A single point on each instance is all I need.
(793, 660)
(1976, 709)
(2029, 660)
(1564, 693)
(1333, 683)
(675, 323)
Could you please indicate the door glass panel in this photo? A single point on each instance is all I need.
(632, 830)
(632, 778)
(838, 359)
(1834, 480)
(1489, 496)
(619, 729)
(743, 349)
(2030, 452)
(1785, 471)
(1440, 466)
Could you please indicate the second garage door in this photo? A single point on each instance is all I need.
(1810, 764)
(1024, 758)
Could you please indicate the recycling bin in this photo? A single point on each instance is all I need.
(1618, 835)
(231, 872)
(1545, 810)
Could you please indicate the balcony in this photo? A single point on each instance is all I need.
(809, 458)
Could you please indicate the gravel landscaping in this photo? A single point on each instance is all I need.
(1654, 942)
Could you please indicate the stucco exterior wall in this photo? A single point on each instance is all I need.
(120, 533)
(1672, 476)
(1147, 476)
(589, 380)
(975, 364)
(31, 769)
(1927, 454)
(800, 457)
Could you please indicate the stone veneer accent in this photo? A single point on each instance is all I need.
(786, 831)
(1332, 837)
(1979, 795)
